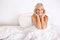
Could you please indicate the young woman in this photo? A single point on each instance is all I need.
(40, 30)
(39, 18)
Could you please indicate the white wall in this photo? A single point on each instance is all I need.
(10, 9)
(7, 12)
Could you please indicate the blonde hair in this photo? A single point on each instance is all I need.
(39, 5)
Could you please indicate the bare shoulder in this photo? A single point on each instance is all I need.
(46, 18)
(33, 16)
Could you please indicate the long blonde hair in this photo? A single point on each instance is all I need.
(39, 5)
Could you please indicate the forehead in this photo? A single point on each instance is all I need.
(39, 7)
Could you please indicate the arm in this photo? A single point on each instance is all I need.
(36, 20)
(44, 20)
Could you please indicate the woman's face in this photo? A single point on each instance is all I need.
(39, 10)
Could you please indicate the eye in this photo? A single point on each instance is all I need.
(42, 9)
(38, 9)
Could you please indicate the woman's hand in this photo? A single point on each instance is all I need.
(38, 22)
(36, 15)
(43, 19)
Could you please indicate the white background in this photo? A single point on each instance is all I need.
(10, 9)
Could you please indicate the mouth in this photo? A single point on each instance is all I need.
(40, 13)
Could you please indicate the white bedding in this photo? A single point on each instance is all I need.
(39, 34)
(14, 33)
(10, 33)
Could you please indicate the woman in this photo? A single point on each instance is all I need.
(40, 30)
(39, 18)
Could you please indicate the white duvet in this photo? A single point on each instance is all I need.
(31, 33)
(39, 34)
(10, 33)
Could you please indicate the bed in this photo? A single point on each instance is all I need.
(13, 32)
(20, 32)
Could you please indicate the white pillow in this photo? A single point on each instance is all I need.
(25, 20)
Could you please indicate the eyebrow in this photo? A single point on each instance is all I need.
(37, 9)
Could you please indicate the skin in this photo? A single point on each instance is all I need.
(39, 18)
